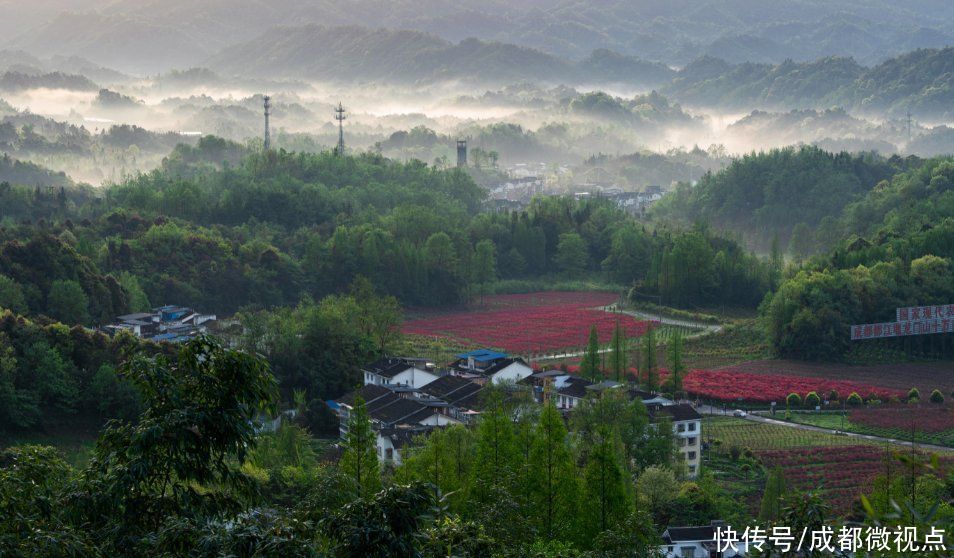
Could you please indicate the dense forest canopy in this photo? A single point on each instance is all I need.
(896, 249)
(767, 195)
(278, 226)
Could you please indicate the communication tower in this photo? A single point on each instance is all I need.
(340, 117)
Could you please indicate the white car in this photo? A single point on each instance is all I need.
(739, 413)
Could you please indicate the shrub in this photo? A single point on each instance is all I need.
(793, 400)
(914, 395)
(854, 399)
(734, 453)
(812, 400)
(833, 395)
(937, 396)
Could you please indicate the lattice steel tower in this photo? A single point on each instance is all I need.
(268, 136)
(340, 117)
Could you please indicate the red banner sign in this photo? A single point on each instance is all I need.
(900, 329)
(917, 313)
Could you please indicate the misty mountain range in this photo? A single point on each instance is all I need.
(149, 36)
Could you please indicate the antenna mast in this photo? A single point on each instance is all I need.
(340, 117)
(268, 137)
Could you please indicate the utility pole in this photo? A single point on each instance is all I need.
(268, 137)
(340, 117)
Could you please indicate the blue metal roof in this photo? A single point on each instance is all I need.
(482, 355)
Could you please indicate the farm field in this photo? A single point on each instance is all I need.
(533, 323)
(926, 376)
(757, 436)
(736, 343)
(839, 474)
(929, 424)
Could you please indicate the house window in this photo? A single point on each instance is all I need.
(692, 455)
(691, 441)
(379, 451)
(687, 551)
(389, 453)
(692, 427)
(682, 428)
(692, 469)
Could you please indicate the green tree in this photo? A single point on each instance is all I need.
(618, 353)
(793, 400)
(677, 368)
(812, 400)
(937, 396)
(11, 296)
(138, 300)
(773, 496)
(571, 254)
(801, 242)
(658, 489)
(854, 399)
(379, 317)
(649, 360)
(590, 364)
(553, 474)
(608, 498)
(68, 303)
(359, 461)
(485, 265)
(914, 395)
(182, 457)
(494, 468)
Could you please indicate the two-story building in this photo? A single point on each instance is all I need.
(687, 428)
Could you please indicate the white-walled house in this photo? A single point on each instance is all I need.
(399, 371)
(687, 428)
(484, 365)
(698, 542)
(392, 413)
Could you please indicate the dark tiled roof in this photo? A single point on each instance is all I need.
(679, 412)
(369, 392)
(686, 534)
(451, 388)
(388, 367)
(401, 437)
(575, 386)
(401, 411)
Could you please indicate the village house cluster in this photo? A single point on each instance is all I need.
(172, 324)
(406, 397)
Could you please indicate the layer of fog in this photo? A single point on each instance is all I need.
(303, 116)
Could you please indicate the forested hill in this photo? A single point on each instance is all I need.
(13, 171)
(921, 81)
(768, 195)
(354, 53)
(146, 37)
(897, 249)
(277, 226)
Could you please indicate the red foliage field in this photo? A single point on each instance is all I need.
(925, 417)
(731, 385)
(529, 323)
(840, 474)
(926, 376)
